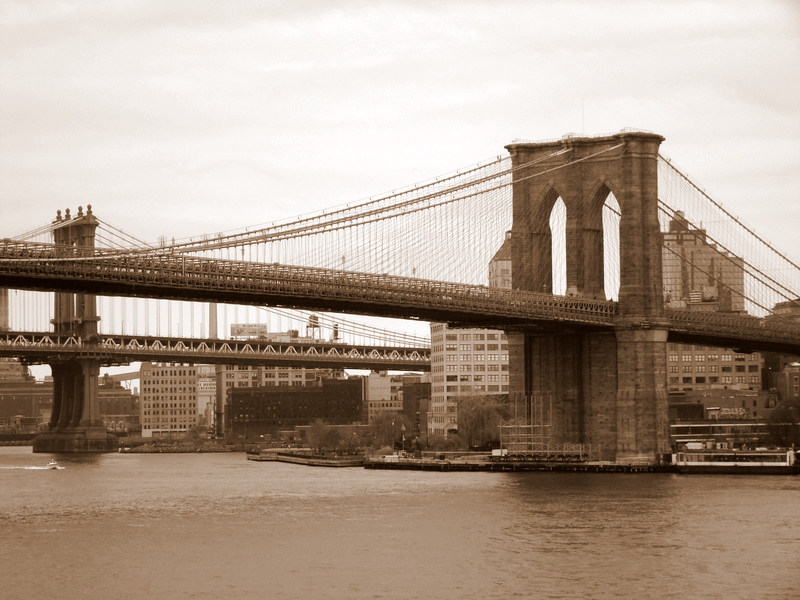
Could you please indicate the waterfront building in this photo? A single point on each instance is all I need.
(464, 362)
(468, 362)
(696, 368)
(119, 407)
(168, 399)
(259, 411)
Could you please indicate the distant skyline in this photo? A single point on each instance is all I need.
(184, 118)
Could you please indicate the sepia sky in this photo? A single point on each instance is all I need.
(195, 116)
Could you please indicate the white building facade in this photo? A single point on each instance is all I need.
(168, 401)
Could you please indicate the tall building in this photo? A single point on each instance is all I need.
(206, 395)
(468, 362)
(416, 396)
(697, 274)
(464, 362)
(168, 399)
(700, 276)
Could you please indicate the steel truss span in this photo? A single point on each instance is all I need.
(36, 347)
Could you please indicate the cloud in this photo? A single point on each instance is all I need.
(132, 104)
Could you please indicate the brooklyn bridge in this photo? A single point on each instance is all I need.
(614, 253)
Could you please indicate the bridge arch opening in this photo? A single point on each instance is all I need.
(558, 240)
(611, 266)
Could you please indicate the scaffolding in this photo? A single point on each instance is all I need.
(527, 434)
(529, 425)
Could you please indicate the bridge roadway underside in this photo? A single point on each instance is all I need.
(256, 284)
(353, 303)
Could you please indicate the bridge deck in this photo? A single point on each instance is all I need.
(187, 277)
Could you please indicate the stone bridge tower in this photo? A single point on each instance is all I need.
(75, 422)
(606, 388)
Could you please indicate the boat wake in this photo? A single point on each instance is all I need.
(46, 467)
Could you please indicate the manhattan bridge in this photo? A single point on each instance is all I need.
(614, 252)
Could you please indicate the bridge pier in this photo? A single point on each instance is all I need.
(75, 423)
(607, 389)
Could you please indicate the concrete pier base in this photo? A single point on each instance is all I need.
(76, 440)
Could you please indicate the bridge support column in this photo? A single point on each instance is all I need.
(606, 389)
(642, 404)
(75, 422)
(577, 375)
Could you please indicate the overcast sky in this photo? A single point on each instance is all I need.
(192, 116)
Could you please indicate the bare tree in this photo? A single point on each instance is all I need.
(388, 428)
(315, 436)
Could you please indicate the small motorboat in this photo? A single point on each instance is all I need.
(52, 464)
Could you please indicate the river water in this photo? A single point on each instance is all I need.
(220, 526)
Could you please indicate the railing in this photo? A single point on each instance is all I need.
(738, 326)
